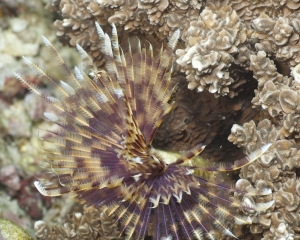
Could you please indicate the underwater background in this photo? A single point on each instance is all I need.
(238, 87)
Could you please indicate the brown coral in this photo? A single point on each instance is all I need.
(276, 171)
(277, 97)
(161, 17)
(216, 46)
(277, 94)
(89, 224)
(214, 57)
(203, 118)
(77, 24)
(278, 37)
(248, 10)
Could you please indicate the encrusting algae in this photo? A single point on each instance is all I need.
(9, 231)
(102, 153)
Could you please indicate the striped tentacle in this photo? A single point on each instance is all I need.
(86, 149)
(70, 77)
(225, 167)
(101, 151)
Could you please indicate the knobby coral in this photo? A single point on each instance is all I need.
(102, 153)
(219, 38)
(161, 17)
(215, 42)
(279, 37)
(90, 224)
(275, 171)
(277, 96)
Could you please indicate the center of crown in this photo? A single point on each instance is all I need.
(167, 157)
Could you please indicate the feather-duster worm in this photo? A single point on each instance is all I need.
(102, 153)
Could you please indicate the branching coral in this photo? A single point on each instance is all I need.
(77, 25)
(279, 37)
(248, 10)
(277, 96)
(216, 40)
(215, 43)
(161, 17)
(276, 171)
(90, 224)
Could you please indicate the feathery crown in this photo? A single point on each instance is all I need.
(102, 149)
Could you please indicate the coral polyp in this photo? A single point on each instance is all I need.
(102, 153)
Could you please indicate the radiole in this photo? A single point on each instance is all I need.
(102, 149)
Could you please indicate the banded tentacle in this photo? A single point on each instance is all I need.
(101, 151)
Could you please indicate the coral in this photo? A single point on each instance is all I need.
(102, 151)
(277, 97)
(17, 187)
(277, 94)
(216, 46)
(248, 10)
(15, 120)
(10, 210)
(30, 200)
(90, 224)
(9, 177)
(275, 170)
(210, 56)
(278, 37)
(200, 118)
(21, 24)
(77, 25)
(161, 17)
(218, 39)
